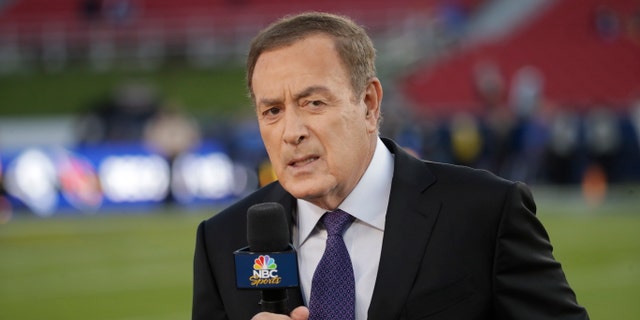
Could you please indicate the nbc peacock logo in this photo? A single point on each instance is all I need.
(265, 263)
(265, 271)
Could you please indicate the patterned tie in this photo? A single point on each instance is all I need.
(333, 290)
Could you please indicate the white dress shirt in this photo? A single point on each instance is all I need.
(368, 204)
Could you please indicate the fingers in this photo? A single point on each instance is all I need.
(269, 316)
(299, 313)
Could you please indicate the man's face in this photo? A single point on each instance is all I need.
(319, 137)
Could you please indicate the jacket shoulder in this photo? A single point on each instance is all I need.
(461, 175)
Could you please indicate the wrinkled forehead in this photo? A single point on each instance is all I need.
(305, 59)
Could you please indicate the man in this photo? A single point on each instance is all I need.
(428, 240)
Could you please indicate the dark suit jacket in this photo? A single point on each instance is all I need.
(458, 244)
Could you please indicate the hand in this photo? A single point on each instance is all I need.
(299, 313)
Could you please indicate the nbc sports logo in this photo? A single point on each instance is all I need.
(265, 267)
(264, 271)
(260, 271)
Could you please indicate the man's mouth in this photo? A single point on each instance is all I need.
(302, 161)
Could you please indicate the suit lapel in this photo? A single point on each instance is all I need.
(410, 218)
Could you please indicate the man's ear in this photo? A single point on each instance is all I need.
(372, 100)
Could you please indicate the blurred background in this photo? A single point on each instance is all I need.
(124, 123)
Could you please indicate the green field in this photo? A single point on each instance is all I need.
(100, 267)
(219, 90)
(601, 259)
(138, 266)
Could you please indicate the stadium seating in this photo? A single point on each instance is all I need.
(72, 30)
(25, 13)
(581, 66)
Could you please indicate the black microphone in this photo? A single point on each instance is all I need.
(269, 263)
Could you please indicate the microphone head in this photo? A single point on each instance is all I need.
(267, 228)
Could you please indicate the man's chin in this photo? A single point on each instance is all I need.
(305, 195)
(305, 192)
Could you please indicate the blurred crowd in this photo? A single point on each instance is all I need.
(135, 111)
(562, 148)
(520, 137)
(524, 137)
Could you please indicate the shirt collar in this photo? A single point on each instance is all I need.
(367, 202)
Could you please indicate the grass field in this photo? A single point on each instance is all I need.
(135, 267)
(101, 267)
(219, 91)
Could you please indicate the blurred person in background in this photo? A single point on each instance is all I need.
(631, 150)
(603, 140)
(423, 239)
(564, 160)
(530, 133)
(121, 117)
(171, 132)
(497, 120)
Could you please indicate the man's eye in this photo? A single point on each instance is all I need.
(315, 103)
(271, 112)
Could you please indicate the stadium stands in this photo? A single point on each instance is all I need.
(582, 65)
(81, 28)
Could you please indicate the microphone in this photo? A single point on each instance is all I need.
(269, 263)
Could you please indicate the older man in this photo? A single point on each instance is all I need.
(421, 239)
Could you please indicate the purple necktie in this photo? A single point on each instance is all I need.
(333, 289)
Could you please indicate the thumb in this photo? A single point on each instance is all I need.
(300, 313)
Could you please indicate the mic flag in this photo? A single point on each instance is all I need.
(269, 263)
(257, 270)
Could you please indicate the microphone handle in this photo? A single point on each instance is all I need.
(274, 301)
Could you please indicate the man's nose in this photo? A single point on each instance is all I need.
(295, 130)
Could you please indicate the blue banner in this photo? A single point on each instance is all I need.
(94, 178)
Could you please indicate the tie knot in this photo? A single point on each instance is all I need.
(336, 222)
